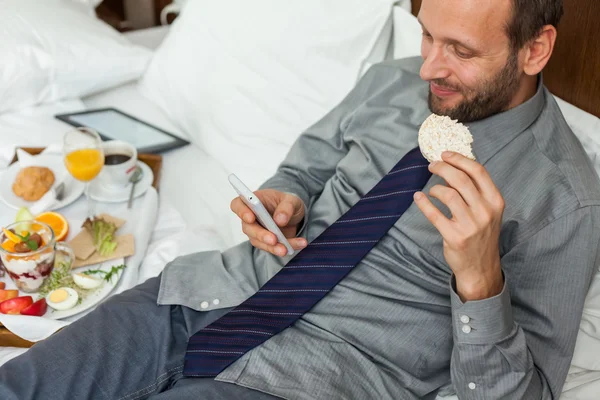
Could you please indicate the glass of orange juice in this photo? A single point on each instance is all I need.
(84, 158)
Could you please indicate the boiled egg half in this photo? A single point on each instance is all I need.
(85, 281)
(62, 299)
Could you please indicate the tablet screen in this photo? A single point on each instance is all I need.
(114, 125)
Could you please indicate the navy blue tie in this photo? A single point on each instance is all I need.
(310, 275)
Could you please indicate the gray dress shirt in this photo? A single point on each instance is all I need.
(394, 328)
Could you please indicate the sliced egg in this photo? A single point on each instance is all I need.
(86, 281)
(62, 299)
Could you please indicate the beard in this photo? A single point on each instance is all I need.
(490, 97)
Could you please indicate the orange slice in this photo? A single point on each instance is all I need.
(57, 222)
(11, 236)
(9, 246)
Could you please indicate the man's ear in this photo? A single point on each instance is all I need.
(539, 50)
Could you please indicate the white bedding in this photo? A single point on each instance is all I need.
(196, 186)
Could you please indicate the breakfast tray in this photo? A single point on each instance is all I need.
(154, 161)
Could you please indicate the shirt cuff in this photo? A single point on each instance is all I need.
(482, 321)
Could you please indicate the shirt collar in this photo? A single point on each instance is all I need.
(491, 134)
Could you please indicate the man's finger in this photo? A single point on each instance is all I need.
(255, 231)
(283, 213)
(242, 210)
(435, 216)
(453, 200)
(278, 249)
(475, 170)
(458, 180)
(266, 240)
(298, 243)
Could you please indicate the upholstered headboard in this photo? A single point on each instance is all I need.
(573, 73)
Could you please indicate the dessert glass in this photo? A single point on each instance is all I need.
(29, 270)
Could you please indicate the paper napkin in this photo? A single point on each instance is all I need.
(85, 251)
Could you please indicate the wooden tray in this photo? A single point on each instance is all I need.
(154, 161)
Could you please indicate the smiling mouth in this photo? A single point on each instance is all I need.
(442, 91)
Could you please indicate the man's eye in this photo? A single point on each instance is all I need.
(426, 35)
(462, 54)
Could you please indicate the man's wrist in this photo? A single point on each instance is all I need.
(480, 286)
(483, 321)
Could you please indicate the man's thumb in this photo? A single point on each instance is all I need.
(283, 212)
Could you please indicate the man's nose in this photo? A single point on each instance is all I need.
(435, 65)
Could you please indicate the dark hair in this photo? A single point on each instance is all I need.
(529, 17)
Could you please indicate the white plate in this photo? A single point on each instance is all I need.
(94, 296)
(100, 192)
(73, 188)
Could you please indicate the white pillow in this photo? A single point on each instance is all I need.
(90, 5)
(586, 127)
(52, 49)
(408, 34)
(244, 78)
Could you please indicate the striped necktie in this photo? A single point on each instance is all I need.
(310, 275)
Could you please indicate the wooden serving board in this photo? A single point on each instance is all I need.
(154, 161)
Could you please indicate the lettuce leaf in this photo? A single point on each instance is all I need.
(103, 234)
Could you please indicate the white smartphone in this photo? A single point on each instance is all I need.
(260, 211)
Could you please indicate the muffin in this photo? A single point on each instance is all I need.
(32, 183)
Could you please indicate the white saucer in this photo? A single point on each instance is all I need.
(73, 188)
(100, 192)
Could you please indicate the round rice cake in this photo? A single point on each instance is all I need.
(441, 133)
(32, 183)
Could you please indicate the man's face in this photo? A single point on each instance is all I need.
(472, 70)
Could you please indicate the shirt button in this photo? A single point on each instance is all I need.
(216, 302)
(466, 329)
(204, 304)
(465, 319)
(472, 386)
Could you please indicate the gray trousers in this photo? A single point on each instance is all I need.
(129, 348)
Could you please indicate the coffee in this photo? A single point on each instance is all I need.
(120, 159)
(116, 159)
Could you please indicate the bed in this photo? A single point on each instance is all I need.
(196, 172)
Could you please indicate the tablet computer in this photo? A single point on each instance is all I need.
(113, 124)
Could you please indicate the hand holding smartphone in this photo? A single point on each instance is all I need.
(262, 215)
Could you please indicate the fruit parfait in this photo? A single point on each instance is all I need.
(27, 252)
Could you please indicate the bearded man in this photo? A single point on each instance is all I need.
(476, 287)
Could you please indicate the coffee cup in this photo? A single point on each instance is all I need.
(120, 160)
